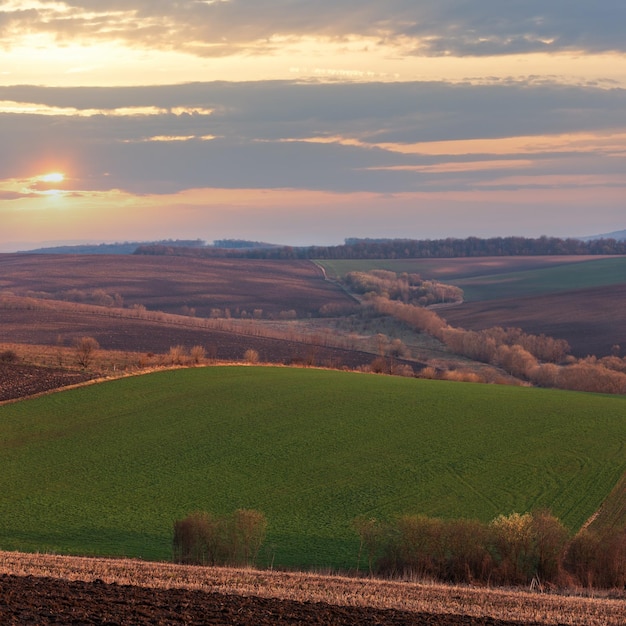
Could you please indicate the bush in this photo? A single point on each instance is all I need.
(251, 356)
(199, 539)
(598, 560)
(177, 355)
(197, 354)
(8, 356)
(511, 550)
(204, 539)
(246, 534)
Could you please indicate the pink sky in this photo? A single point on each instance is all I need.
(309, 122)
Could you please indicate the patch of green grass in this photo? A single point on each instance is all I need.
(336, 269)
(484, 279)
(583, 275)
(106, 469)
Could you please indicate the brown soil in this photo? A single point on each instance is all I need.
(591, 320)
(315, 598)
(49, 327)
(41, 601)
(171, 283)
(18, 381)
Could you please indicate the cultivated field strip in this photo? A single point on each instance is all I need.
(344, 591)
(106, 469)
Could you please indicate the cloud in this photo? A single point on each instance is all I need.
(370, 137)
(229, 27)
(13, 195)
(405, 112)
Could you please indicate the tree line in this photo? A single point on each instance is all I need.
(518, 549)
(532, 548)
(406, 249)
(538, 359)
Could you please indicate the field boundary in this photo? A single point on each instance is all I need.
(413, 596)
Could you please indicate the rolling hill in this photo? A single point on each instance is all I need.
(106, 469)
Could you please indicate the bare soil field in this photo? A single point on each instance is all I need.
(19, 381)
(50, 589)
(41, 601)
(172, 283)
(591, 320)
(53, 327)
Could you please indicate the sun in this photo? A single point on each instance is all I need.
(52, 177)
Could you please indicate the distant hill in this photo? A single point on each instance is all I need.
(237, 244)
(618, 235)
(127, 247)
(404, 249)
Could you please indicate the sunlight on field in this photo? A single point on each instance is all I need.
(106, 469)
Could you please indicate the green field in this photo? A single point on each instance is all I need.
(105, 469)
(584, 275)
(481, 284)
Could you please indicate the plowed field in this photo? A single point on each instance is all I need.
(591, 320)
(18, 381)
(174, 284)
(42, 601)
(45, 327)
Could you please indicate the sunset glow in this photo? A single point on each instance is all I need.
(251, 120)
(53, 177)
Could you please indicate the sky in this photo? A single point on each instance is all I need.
(308, 121)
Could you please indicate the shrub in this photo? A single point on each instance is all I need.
(199, 539)
(8, 356)
(197, 354)
(549, 538)
(418, 546)
(379, 365)
(598, 560)
(251, 356)
(204, 539)
(510, 550)
(468, 559)
(371, 535)
(177, 355)
(246, 534)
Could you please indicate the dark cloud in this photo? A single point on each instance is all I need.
(273, 110)
(457, 27)
(260, 131)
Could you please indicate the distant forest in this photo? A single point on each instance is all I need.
(126, 247)
(405, 249)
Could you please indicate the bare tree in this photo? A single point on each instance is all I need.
(85, 349)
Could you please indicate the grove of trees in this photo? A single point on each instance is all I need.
(538, 359)
(532, 548)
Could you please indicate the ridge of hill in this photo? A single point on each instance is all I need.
(618, 235)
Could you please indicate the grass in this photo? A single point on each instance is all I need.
(105, 469)
(483, 283)
(583, 275)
